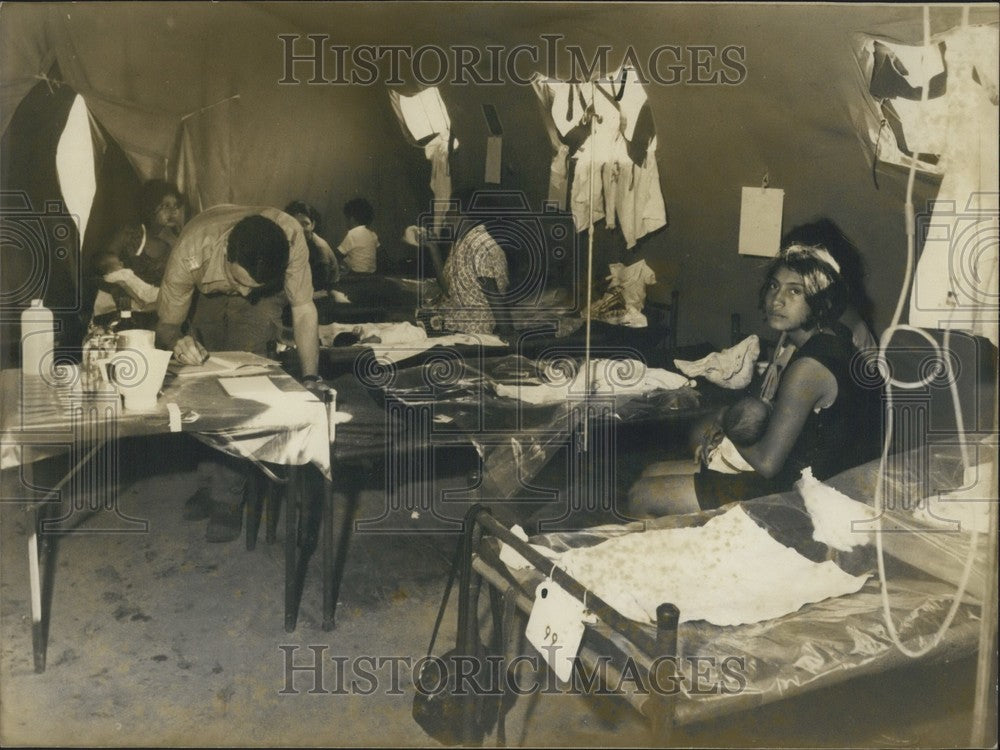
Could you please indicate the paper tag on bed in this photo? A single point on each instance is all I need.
(555, 627)
(509, 556)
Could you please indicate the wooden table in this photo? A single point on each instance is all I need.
(41, 418)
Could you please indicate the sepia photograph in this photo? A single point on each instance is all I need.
(528, 374)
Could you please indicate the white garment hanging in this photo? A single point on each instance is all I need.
(955, 283)
(639, 202)
(436, 152)
(559, 176)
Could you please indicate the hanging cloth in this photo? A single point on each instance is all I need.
(955, 284)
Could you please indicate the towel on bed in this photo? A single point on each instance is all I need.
(729, 571)
(613, 377)
(731, 368)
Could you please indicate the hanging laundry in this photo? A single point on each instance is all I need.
(639, 203)
(606, 129)
(559, 176)
(580, 193)
(955, 284)
(437, 152)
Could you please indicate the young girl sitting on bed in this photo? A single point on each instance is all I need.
(821, 417)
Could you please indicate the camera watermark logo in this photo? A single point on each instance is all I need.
(39, 260)
(34, 243)
(955, 285)
(58, 417)
(539, 248)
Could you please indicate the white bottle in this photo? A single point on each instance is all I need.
(37, 337)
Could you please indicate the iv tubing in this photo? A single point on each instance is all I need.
(879, 486)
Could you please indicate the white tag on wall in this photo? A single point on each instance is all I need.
(555, 627)
(760, 221)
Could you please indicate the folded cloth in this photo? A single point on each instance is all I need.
(385, 333)
(398, 352)
(608, 376)
(730, 368)
(834, 514)
(726, 459)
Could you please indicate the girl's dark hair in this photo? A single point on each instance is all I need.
(825, 232)
(151, 194)
(826, 292)
(306, 209)
(359, 210)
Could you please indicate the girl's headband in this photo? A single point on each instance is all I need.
(819, 279)
(813, 251)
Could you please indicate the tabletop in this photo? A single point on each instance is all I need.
(289, 427)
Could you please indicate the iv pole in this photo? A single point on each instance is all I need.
(590, 267)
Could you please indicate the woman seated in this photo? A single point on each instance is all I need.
(131, 269)
(473, 280)
(821, 416)
(322, 261)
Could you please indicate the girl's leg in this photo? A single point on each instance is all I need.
(670, 468)
(663, 495)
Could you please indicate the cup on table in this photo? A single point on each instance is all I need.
(136, 338)
(138, 376)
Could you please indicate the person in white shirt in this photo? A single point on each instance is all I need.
(359, 249)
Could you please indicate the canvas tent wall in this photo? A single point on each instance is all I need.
(191, 92)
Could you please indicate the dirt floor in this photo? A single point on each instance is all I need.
(159, 638)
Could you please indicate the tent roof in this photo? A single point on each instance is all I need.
(159, 76)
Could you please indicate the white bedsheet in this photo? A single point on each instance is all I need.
(728, 572)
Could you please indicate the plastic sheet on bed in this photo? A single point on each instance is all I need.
(516, 439)
(820, 644)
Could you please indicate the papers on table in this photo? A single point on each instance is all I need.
(262, 388)
(223, 363)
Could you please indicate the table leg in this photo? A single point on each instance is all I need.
(38, 639)
(342, 518)
(329, 599)
(292, 512)
(256, 485)
(272, 507)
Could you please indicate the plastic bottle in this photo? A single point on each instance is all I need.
(37, 337)
(125, 321)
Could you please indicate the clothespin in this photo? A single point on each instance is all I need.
(766, 181)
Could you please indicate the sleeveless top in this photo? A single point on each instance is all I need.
(847, 433)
